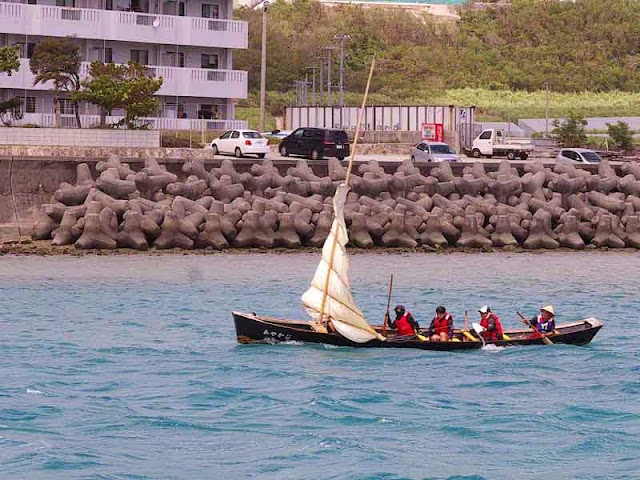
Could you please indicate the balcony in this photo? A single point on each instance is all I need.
(177, 81)
(154, 123)
(24, 19)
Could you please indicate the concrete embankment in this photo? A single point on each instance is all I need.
(244, 204)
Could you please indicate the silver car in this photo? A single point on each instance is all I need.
(578, 155)
(432, 152)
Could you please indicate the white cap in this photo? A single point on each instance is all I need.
(483, 309)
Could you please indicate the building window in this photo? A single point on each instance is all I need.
(208, 111)
(27, 104)
(181, 9)
(171, 61)
(108, 55)
(210, 10)
(209, 61)
(26, 49)
(67, 107)
(174, 110)
(65, 3)
(32, 2)
(140, 57)
(108, 5)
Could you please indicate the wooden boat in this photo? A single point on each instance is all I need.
(252, 328)
(331, 306)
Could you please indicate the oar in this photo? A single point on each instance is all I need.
(546, 340)
(386, 315)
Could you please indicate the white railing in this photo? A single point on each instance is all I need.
(154, 123)
(177, 81)
(52, 21)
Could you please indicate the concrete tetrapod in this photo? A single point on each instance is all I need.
(605, 235)
(503, 237)
(286, 235)
(359, 233)
(470, 235)
(171, 236)
(131, 235)
(431, 231)
(540, 234)
(65, 234)
(322, 230)
(254, 232)
(633, 231)
(570, 237)
(93, 236)
(211, 236)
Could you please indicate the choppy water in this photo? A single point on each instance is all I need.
(128, 368)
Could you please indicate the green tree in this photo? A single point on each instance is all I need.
(621, 135)
(128, 87)
(570, 132)
(57, 60)
(9, 60)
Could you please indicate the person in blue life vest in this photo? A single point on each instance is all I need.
(546, 321)
(404, 322)
(441, 328)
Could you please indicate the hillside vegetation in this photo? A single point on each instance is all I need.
(498, 59)
(589, 45)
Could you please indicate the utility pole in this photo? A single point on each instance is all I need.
(342, 38)
(321, 59)
(329, 61)
(313, 84)
(263, 65)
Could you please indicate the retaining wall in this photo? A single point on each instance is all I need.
(79, 137)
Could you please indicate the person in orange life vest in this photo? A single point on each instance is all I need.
(546, 321)
(404, 322)
(441, 328)
(491, 323)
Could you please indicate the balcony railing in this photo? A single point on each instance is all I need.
(177, 81)
(46, 20)
(155, 123)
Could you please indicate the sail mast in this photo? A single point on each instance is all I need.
(346, 182)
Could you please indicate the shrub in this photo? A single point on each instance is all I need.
(621, 136)
(571, 132)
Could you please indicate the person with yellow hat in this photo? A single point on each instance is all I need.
(546, 321)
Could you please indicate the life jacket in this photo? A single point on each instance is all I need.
(403, 326)
(543, 326)
(441, 325)
(494, 335)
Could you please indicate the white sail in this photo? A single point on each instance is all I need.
(330, 295)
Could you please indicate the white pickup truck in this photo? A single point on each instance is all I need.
(494, 142)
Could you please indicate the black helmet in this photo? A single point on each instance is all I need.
(399, 309)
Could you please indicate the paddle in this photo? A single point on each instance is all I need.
(546, 340)
(386, 315)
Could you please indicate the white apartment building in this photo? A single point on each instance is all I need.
(189, 43)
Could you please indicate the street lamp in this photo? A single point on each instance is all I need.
(263, 65)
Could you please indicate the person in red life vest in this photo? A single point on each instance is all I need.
(491, 323)
(546, 321)
(404, 323)
(441, 328)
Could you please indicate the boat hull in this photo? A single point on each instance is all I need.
(252, 328)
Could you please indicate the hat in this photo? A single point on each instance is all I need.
(484, 309)
(548, 308)
(399, 308)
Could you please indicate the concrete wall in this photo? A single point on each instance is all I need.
(75, 137)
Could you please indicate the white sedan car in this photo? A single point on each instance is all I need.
(241, 143)
(432, 152)
(578, 155)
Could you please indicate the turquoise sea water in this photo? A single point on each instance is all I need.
(128, 368)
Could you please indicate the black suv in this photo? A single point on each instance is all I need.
(316, 143)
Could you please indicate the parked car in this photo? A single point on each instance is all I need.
(432, 152)
(277, 134)
(579, 155)
(316, 143)
(493, 141)
(241, 143)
